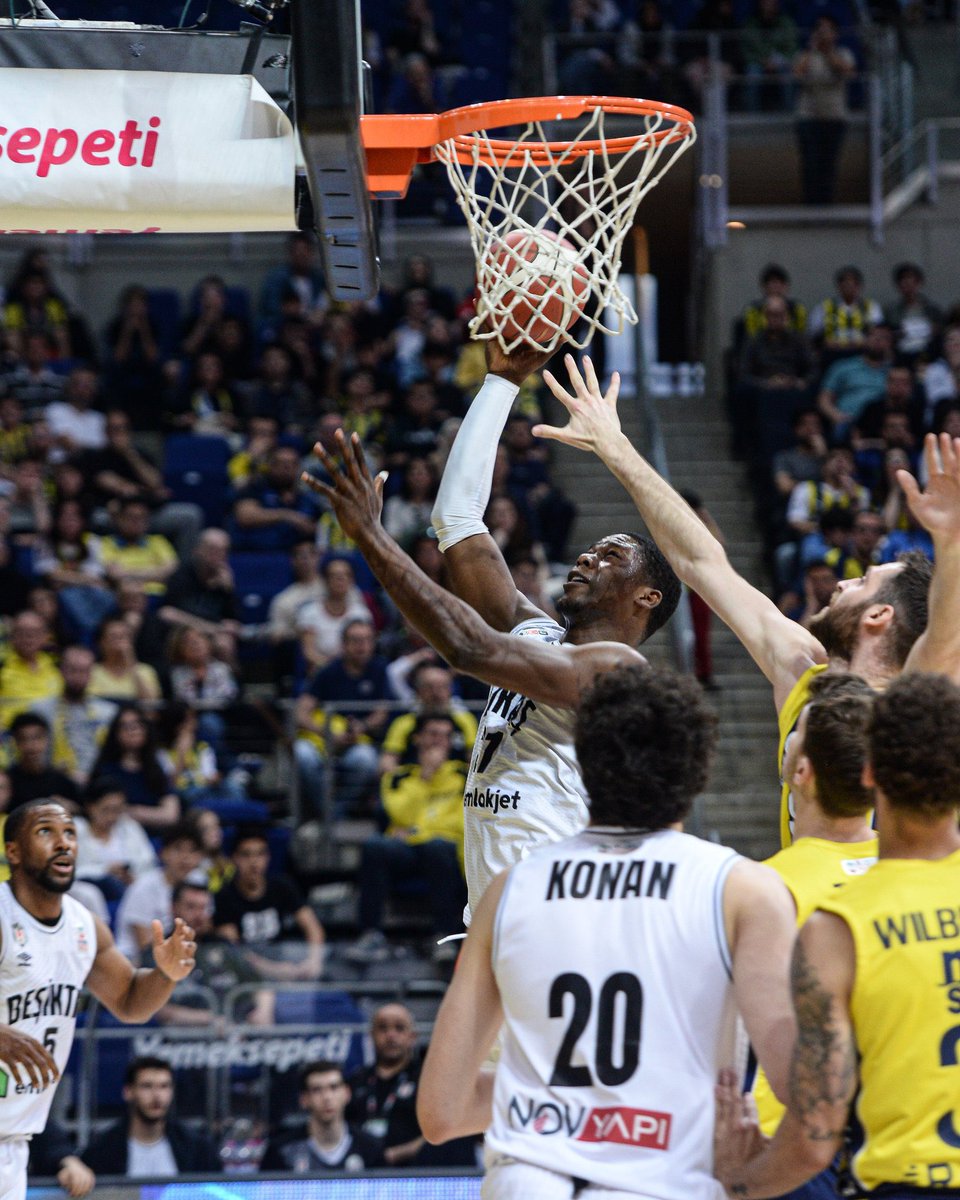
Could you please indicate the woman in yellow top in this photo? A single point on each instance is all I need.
(117, 675)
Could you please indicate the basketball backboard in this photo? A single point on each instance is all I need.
(328, 86)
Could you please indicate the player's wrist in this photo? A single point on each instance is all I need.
(505, 383)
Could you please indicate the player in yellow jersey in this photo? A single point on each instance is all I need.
(873, 626)
(834, 839)
(876, 983)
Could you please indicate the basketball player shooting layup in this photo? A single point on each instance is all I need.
(875, 626)
(524, 784)
(50, 945)
(617, 958)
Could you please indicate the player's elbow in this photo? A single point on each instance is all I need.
(433, 1117)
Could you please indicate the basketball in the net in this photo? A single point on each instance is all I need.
(534, 285)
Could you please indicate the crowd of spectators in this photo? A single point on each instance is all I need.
(827, 403)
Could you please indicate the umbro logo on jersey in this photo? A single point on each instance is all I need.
(24, 959)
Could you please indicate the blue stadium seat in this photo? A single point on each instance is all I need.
(195, 470)
(258, 577)
(163, 306)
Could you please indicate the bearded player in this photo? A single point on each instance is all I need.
(876, 626)
(50, 947)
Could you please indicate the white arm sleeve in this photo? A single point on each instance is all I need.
(465, 487)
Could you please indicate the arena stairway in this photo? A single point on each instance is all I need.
(741, 805)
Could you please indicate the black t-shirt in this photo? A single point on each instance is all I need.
(96, 462)
(297, 1153)
(385, 1108)
(27, 786)
(267, 919)
(186, 591)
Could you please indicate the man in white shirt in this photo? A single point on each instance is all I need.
(150, 897)
(74, 423)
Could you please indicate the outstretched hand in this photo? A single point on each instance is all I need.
(353, 495)
(519, 363)
(176, 955)
(937, 507)
(736, 1135)
(593, 415)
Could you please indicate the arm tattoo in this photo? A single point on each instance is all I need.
(824, 1066)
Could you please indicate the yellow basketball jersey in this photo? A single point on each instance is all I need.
(812, 869)
(787, 719)
(904, 916)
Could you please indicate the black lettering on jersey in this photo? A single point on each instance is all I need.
(57, 1000)
(613, 881)
(951, 967)
(513, 707)
(939, 925)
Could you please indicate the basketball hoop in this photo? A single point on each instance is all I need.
(581, 187)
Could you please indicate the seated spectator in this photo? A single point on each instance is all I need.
(416, 88)
(776, 370)
(301, 273)
(529, 486)
(908, 535)
(189, 759)
(150, 897)
(262, 433)
(330, 1143)
(219, 968)
(321, 623)
(74, 423)
(438, 360)
(148, 1142)
(424, 840)
(256, 910)
(35, 309)
(276, 511)
(54, 1153)
(819, 583)
(120, 471)
(941, 379)
(216, 866)
(31, 775)
(30, 517)
(32, 382)
(200, 594)
(200, 680)
(133, 357)
(898, 398)
(308, 585)
(413, 432)
(199, 330)
(803, 460)
(28, 674)
(769, 44)
(130, 552)
(838, 489)
(864, 549)
(915, 321)
(840, 324)
(14, 586)
(149, 633)
(873, 454)
(408, 511)
(276, 391)
(852, 383)
(118, 675)
(432, 685)
(69, 561)
(112, 848)
(348, 685)
(129, 755)
(16, 435)
(78, 721)
(774, 282)
(383, 1095)
(208, 405)
(233, 343)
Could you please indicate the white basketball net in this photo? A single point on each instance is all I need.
(590, 199)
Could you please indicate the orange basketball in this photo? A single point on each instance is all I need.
(535, 287)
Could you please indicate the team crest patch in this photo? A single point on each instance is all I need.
(82, 944)
(19, 934)
(543, 632)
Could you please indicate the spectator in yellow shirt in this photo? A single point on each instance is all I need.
(432, 686)
(132, 553)
(424, 840)
(118, 675)
(28, 673)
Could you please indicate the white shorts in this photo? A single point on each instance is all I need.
(509, 1179)
(13, 1169)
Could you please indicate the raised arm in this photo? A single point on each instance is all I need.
(937, 509)
(476, 568)
(781, 649)
(135, 995)
(549, 674)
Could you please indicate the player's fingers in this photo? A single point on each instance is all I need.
(380, 482)
(157, 930)
(590, 375)
(613, 391)
(911, 489)
(948, 455)
(559, 391)
(326, 460)
(359, 459)
(549, 432)
(317, 485)
(930, 455)
(576, 379)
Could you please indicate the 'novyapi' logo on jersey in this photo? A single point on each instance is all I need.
(643, 1128)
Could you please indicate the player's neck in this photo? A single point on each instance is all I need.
(812, 822)
(39, 903)
(904, 836)
(871, 663)
(594, 627)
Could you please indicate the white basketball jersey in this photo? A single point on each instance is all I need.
(524, 786)
(42, 972)
(613, 967)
